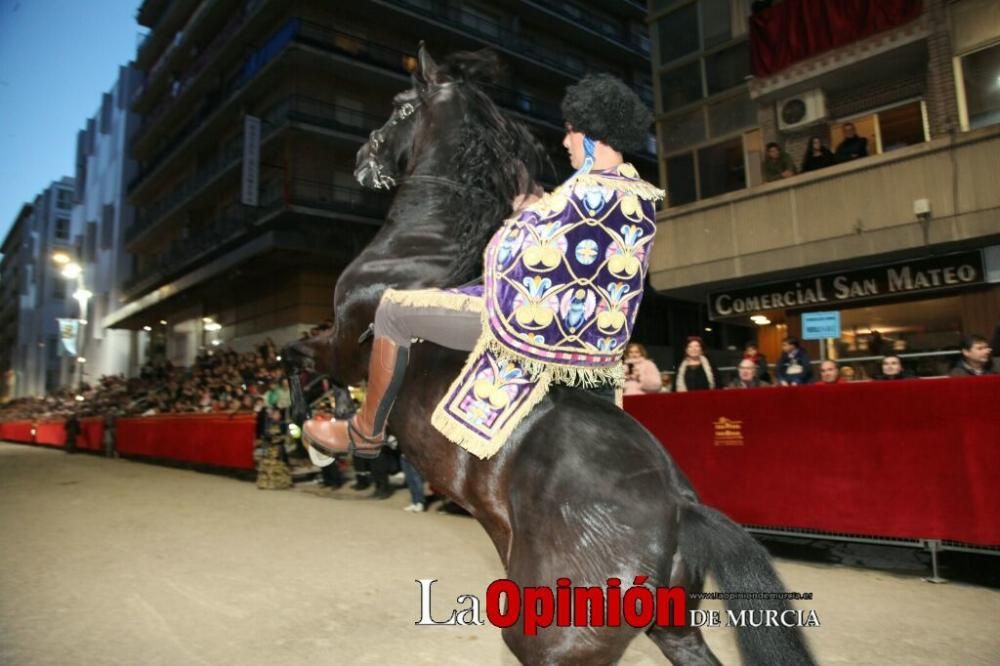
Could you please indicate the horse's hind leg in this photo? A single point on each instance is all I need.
(683, 646)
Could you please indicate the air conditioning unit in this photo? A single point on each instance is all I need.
(801, 110)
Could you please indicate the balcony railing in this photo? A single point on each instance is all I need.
(298, 109)
(342, 43)
(451, 14)
(612, 30)
(239, 223)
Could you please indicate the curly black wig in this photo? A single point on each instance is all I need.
(605, 109)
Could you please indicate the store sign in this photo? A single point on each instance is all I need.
(251, 161)
(910, 277)
(820, 325)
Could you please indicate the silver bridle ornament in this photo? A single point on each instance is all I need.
(380, 179)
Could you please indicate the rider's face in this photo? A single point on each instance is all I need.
(573, 143)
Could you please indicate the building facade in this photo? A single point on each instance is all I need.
(882, 234)
(36, 295)
(102, 212)
(252, 113)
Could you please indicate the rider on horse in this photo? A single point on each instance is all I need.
(562, 285)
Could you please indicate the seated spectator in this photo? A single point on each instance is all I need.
(747, 376)
(777, 164)
(666, 381)
(750, 352)
(976, 360)
(852, 147)
(892, 368)
(817, 155)
(694, 373)
(641, 374)
(793, 367)
(829, 373)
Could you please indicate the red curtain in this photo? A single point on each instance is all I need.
(911, 459)
(207, 439)
(795, 30)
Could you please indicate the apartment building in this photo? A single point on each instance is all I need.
(252, 113)
(901, 242)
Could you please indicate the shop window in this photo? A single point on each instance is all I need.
(981, 79)
(678, 33)
(720, 168)
(684, 130)
(680, 180)
(727, 69)
(681, 86)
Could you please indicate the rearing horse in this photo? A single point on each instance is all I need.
(580, 490)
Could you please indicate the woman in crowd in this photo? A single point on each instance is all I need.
(817, 155)
(641, 374)
(892, 368)
(695, 372)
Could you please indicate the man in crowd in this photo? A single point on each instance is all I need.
(793, 367)
(852, 147)
(975, 359)
(829, 373)
(747, 378)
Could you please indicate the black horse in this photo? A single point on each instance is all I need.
(580, 490)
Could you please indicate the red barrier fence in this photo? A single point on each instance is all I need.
(18, 431)
(50, 433)
(917, 459)
(208, 439)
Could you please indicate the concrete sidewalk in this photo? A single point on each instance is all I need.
(117, 562)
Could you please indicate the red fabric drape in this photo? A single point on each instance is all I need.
(910, 459)
(207, 439)
(795, 30)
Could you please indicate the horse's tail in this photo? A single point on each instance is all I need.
(711, 542)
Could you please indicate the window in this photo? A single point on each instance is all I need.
(105, 124)
(731, 114)
(716, 24)
(62, 228)
(58, 288)
(678, 33)
(90, 243)
(680, 180)
(726, 69)
(981, 79)
(107, 226)
(888, 129)
(720, 168)
(64, 199)
(681, 86)
(684, 130)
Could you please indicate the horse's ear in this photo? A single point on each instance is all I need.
(427, 69)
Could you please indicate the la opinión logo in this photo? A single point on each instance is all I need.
(639, 605)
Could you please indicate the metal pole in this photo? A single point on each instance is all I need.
(934, 545)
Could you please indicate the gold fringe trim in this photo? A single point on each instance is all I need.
(460, 434)
(570, 375)
(434, 298)
(640, 188)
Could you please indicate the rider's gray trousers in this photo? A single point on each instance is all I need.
(442, 326)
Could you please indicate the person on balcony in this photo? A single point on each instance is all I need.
(852, 147)
(817, 155)
(777, 164)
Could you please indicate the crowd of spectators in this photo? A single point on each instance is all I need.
(778, 164)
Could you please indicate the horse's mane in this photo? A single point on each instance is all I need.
(497, 158)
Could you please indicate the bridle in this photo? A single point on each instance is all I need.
(381, 180)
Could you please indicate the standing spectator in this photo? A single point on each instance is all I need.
(892, 368)
(641, 374)
(752, 353)
(415, 484)
(852, 147)
(829, 373)
(747, 378)
(975, 359)
(817, 155)
(793, 367)
(72, 427)
(694, 373)
(777, 164)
